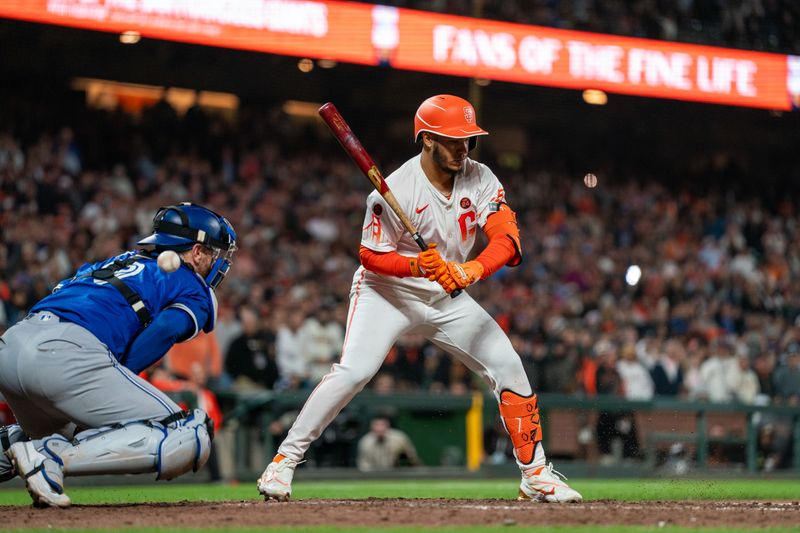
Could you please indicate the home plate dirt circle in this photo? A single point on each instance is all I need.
(407, 512)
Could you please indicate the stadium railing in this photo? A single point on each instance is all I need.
(437, 424)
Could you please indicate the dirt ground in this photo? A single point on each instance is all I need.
(405, 512)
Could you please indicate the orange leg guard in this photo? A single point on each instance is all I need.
(521, 417)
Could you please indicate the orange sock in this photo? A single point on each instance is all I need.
(278, 458)
(521, 417)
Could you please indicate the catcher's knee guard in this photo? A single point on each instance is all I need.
(186, 447)
(521, 417)
(169, 447)
(8, 436)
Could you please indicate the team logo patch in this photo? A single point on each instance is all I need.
(377, 209)
(469, 114)
(466, 203)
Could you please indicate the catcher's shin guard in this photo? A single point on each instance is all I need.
(168, 447)
(521, 417)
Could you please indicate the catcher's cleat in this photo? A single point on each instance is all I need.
(543, 484)
(43, 476)
(276, 481)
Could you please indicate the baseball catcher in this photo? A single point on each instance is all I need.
(69, 369)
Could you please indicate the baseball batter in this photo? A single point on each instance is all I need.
(399, 290)
(69, 370)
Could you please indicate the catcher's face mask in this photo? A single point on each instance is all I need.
(220, 265)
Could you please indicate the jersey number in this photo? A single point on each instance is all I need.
(467, 224)
(122, 273)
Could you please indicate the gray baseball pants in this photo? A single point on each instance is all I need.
(59, 378)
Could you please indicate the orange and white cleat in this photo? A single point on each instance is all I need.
(543, 484)
(276, 481)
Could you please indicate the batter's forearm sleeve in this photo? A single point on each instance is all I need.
(504, 244)
(386, 263)
(154, 340)
(499, 252)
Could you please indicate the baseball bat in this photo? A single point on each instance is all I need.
(341, 130)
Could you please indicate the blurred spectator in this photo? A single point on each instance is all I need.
(405, 362)
(717, 372)
(228, 326)
(693, 379)
(774, 443)
(764, 366)
(383, 383)
(322, 341)
(250, 361)
(560, 364)
(292, 363)
(616, 430)
(743, 380)
(667, 373)
(197, 360)
(385, 448)
(636, 381)
(336, 447)
(787, 376)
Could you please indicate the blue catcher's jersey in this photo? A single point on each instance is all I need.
(100, 307)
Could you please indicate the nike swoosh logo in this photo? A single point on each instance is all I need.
(423, 208)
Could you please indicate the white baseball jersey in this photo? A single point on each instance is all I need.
(450, 222)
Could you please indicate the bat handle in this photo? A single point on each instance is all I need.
(422, 246)
(420, 241)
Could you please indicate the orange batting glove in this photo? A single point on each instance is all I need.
(427, 262)
(452, 275)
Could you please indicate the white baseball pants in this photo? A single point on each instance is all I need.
(377, 317)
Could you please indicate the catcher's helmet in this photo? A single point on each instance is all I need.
(181, 226)
(448, 116)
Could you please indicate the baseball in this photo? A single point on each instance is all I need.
(168, 261)
(590, 180)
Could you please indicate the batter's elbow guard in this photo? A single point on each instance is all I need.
(503, 222)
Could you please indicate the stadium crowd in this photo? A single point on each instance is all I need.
(769, 25)
(713, 318)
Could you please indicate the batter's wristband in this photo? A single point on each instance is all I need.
(414, 267)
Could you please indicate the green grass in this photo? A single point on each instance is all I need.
(592, 489)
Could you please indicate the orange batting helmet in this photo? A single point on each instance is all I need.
(448, 116)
